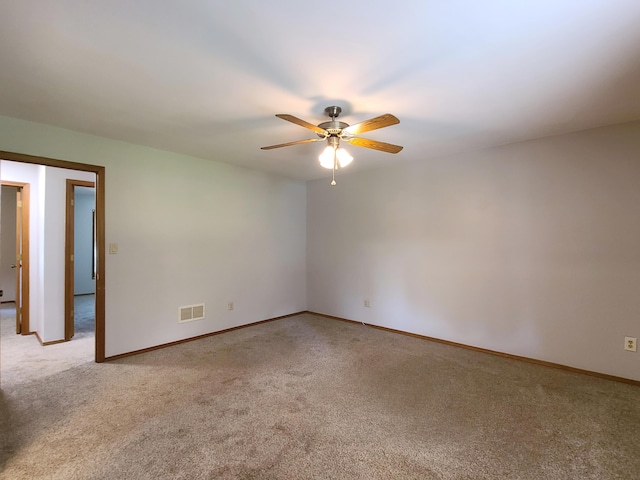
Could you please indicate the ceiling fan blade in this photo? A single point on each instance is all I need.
(302, 123)
(385, 120)
(382, 146)
(293, 143)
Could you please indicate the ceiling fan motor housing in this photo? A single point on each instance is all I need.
(334, 127)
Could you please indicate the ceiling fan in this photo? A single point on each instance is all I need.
(333, 131)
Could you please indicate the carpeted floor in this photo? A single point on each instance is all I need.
(84, 315)
(310, 397)
(23, 358)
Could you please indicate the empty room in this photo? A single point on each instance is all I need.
(337, 241)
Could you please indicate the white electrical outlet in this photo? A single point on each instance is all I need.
(630, 344)
(367, 303)
(229, 305)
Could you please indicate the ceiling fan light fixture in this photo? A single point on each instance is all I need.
(344, 158)
(326, 157)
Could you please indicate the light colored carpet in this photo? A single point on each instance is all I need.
(310, 397)
(23, 358)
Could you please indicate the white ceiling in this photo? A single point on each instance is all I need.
(205, 77)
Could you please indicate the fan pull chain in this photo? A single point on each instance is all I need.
(335, 166)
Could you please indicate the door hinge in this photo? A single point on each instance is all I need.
(19, 204)
(71, 257)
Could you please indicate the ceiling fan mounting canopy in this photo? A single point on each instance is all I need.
(333, 112)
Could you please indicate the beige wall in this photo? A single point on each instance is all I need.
(188, 231)
(531, 249)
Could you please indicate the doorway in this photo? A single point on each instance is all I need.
(80, 256)
(99, 172)
(14, 263)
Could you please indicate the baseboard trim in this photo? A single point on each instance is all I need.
(44, 344)
(191, 339)
(492, 352)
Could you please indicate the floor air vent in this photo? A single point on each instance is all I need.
(190, 313)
